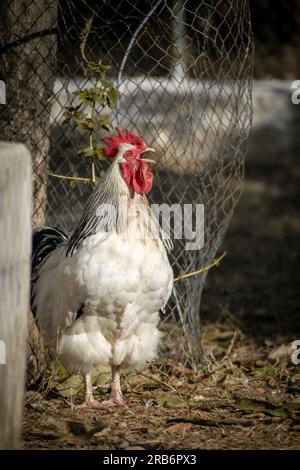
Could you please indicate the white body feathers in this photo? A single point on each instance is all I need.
(120, 280)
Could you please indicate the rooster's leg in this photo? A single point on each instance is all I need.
(116, 392)
(116, 395)
(88, 390)
(89, 400)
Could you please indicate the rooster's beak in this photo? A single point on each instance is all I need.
(148, 149)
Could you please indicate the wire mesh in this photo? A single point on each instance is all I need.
(183, 70)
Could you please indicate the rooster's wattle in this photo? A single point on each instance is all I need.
(96, 295)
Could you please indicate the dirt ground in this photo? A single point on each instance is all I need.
(249, 397)
(246, 402)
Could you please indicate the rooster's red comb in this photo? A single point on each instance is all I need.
(113, 143)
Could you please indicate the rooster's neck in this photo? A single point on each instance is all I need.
(114, 208)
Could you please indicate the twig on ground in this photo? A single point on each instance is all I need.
(161, 382)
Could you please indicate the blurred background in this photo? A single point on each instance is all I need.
(261, 282)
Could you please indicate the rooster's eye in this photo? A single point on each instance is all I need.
(128, 153)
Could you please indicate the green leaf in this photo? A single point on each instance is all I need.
(90, 96)
(72, 109)
(169, 401)
(86, 124)
(61, 372)
(98, 68)
(71, 386)
(99, 152)
(259, 406)
(112, 95)
(104, 123)
(73, 116)
(86, 151)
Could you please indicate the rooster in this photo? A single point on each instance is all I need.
(96, 296)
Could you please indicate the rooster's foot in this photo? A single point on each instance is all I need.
(90, 404)
(113, 401)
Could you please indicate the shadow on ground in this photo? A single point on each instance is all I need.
(259, 280)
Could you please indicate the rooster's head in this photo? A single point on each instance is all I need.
(129, 148)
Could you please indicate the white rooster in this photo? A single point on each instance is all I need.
(96, 295)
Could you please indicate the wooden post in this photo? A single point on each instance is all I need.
(15, 251)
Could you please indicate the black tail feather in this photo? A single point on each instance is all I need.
(44, 241)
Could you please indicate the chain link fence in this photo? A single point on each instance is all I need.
(183, 72)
